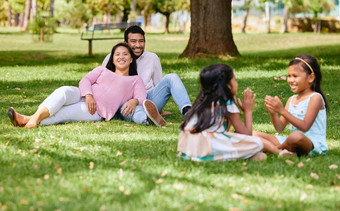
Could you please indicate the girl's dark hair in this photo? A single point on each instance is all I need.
(313, 63)
(133, 65)
(211, 103)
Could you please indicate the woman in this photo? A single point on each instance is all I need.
(101, 93)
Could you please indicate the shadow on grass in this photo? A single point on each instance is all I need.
(37, 58)
(330, 53)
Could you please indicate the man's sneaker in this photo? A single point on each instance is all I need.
(153, 114)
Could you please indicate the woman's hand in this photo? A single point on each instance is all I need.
(248, 101)
(90, 104)
(129, 107)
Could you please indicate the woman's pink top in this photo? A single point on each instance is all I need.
(110, 90)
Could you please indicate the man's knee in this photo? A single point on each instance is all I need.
(139, 116)
(172, 77)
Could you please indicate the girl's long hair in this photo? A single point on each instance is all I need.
(133, 65)
(313, 63)
(211, 103)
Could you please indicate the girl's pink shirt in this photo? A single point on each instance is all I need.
(111, 91)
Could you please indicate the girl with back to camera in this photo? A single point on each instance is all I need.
(305, 112)
(204, 131)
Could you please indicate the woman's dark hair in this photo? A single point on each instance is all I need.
(133, 65)
(211, 103)
(313, 63)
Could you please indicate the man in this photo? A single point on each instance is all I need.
(149, 69)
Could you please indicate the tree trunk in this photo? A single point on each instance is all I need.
(245, 20)
(42, 34)
(284, 27)
(16, 19)
(268, 15)
(146, 13)
(246, 14)
(22, 20)
(339, 8)
(9, 16)
(109, 9)
(133, 13)
(34, 9)
(119, 17)
(167, 21)
(27, 14)
(52, 8)
(125, 15)
(211, 31)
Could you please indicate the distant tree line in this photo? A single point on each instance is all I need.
(18, 13)
(74, 13)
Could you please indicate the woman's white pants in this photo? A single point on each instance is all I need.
(66, 105)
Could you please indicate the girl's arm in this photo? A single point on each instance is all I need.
(278, 122)
(246, 105)
(315, 104)
(236, 121)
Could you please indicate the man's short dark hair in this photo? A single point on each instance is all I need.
(135, 30)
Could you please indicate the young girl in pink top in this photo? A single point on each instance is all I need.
(99, 96)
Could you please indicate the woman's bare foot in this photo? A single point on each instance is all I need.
(16, 118)
(37, 117)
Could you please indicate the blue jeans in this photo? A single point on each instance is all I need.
(139, 116)
(170, 85)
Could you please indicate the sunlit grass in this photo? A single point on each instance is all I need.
(123, 166)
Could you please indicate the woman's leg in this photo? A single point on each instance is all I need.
(62, 96)
(76, 112)
(36, 118)
(297, 142)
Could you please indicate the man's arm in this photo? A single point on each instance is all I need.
(106, 60)
(157, 73)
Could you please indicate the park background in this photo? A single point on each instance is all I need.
(123, 166)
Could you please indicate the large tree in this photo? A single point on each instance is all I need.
(210, 29)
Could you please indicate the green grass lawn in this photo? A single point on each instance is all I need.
(120, 165)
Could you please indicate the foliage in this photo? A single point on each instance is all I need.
(318, 6)
(169, 6)
(73, 13)
(123, 166)
(17, 5)
(42, 28)
(3, 11)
